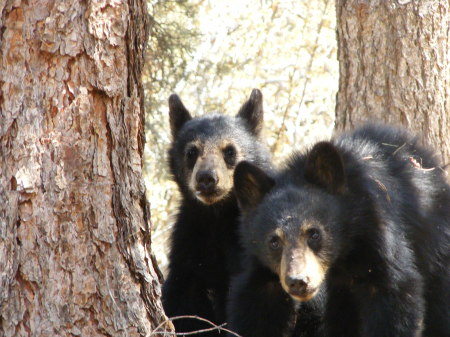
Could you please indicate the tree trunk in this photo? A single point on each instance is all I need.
(74, 222)
(395, 66)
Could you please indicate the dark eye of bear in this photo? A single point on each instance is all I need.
(191, 155)
(275, 242)
(314, 238)
(229, 154)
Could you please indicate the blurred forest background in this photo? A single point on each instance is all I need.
(213, 53)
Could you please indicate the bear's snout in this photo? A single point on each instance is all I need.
(297, 284)
(206, 181)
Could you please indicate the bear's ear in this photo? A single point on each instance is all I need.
(178, 114)
(252, 112)
(251, 184)
(324, 167)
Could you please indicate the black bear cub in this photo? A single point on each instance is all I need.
(205, 249)
(266, 297)
(366, 214)
(265, 300)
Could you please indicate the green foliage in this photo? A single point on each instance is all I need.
(173, 35)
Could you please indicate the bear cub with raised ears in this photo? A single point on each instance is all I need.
(205, 249)
(266, 297)
(366, 214)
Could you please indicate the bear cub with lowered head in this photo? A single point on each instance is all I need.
(205, 249)
(366, 214)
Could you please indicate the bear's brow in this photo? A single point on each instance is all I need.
(310, 223)
(280, 233)
(197, 143)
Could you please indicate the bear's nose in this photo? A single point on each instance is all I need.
(206, 181)
(297, 284)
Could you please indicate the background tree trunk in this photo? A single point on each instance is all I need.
(395, 66)
(74, 222)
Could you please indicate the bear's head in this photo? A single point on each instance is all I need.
(205, 150)
(290, 223)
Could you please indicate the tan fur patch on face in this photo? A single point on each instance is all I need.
(280, 233)
(302, 262)
(211, 157)
(224, 143)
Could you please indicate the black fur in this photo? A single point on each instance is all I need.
(381, 204)
(259, 307)
(205, 249)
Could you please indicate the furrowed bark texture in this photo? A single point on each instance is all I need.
(395, 66)
(74, 222)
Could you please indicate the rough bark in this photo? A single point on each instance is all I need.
(395, 66)
(74, 222)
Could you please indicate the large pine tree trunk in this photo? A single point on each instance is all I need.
(395, 66)
(74, 222)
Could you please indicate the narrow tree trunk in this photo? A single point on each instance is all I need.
(395, 66)
(74, 222)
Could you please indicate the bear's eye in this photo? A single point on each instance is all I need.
(192, 153)
(275, 242)
(229, 151)
(229, 154)
(314, 237)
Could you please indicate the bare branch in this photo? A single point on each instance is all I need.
(213, 327)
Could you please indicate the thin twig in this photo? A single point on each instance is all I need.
(308, 70)
(213, 327)
(398, 149)
(275, 145)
